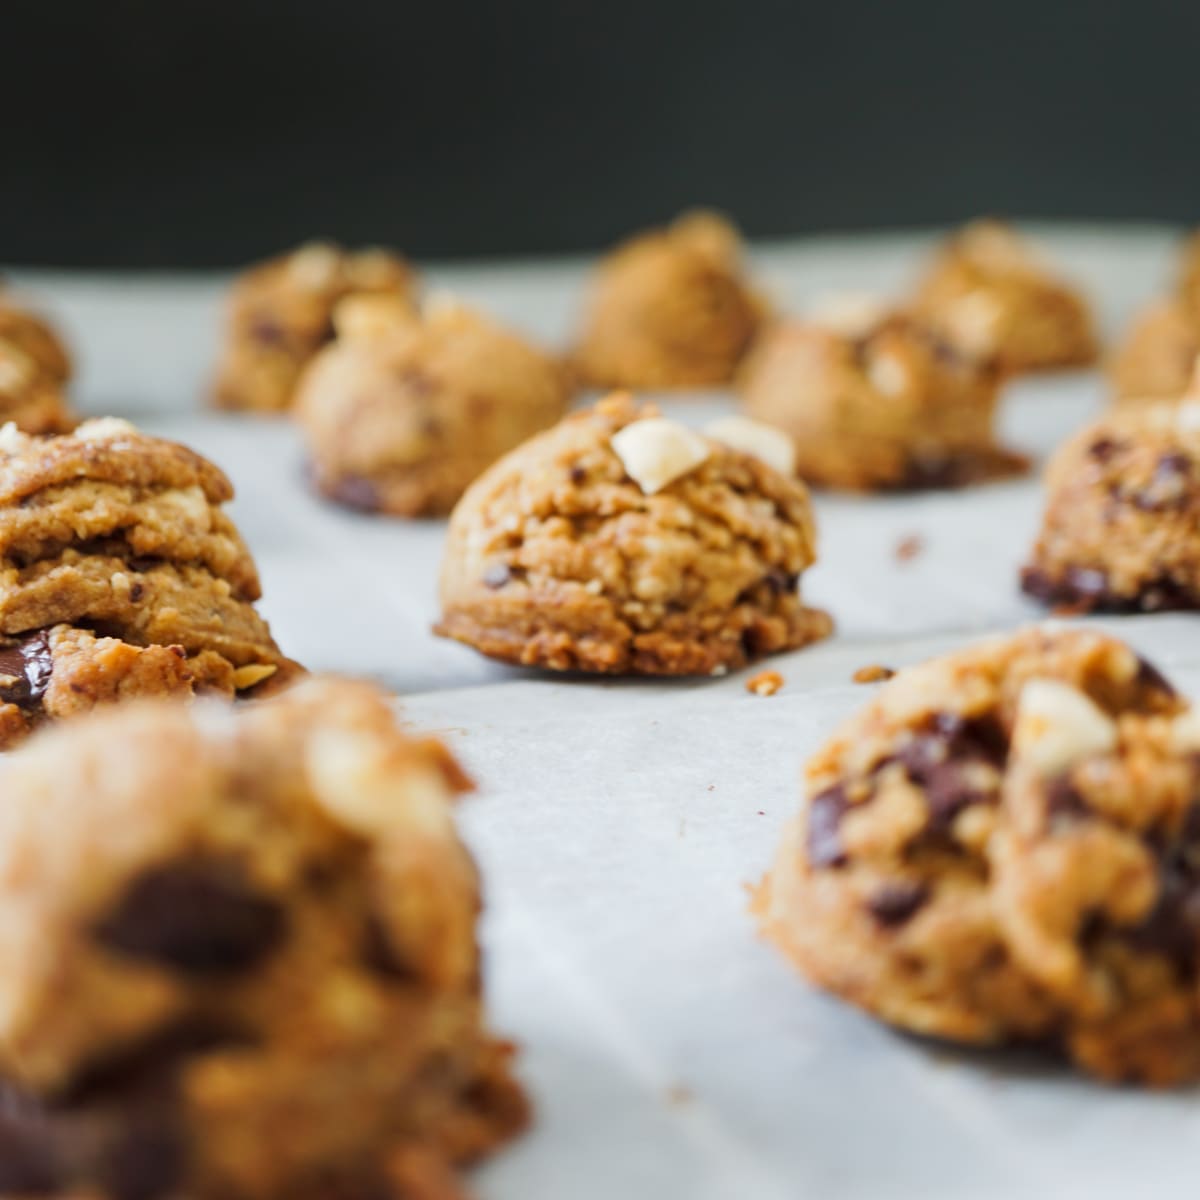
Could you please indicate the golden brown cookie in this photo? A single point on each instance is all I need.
(900, 886)
(121, 575)
(1097, 880)
(34, 371)
(249, 963)
(989, 294)
(1121, 530)
(403, 411)
(874, 400)
(1159, 354)
(671, 308)
(281, 314)
(623, 543)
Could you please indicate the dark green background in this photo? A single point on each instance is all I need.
(168, 134)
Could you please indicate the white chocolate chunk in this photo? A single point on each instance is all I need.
(775, 448)
(104, 429)
(888, 374)
(1185, 732)
(370, 315)
(656, 452)
(1058, 725)
(314, 266)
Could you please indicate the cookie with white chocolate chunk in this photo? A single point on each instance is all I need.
(248, 955)
(121, 575)
(1004, 846)
(874, 399)
(620, 542)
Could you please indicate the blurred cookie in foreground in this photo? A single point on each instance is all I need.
(403, 411)
(1158, 355)
(35, 369)
(248, 958)
(974, 861)
(671, 308)
(622, 543)
(121, 575)
(874, 399)
(1121, 529)
(280, 313)
(989, 293)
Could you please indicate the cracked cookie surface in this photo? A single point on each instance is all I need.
(403, 411)
(904, 882)
(268, 987)
(281, 313)
(557, 557)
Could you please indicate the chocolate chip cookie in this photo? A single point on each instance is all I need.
(1121, 530)
(623, 543)
(34, 371)
(671, 308)
(403, 411)
(915, 880)
(988, 293)
(875, 399)
(248, 959)
(121, 575)
(281, 314)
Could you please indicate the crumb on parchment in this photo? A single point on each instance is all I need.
(765, 683)
(872, 673)
(908, 547)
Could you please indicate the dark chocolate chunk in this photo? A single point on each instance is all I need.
(823, 840)
(1063, 800)
(354, 492)
(199, 918)
(147, 1161)
(1169, 486)
(496, 575)
(1088, 587)
(782, 583)
(30, 1160)
(1150, 676)
(30, 664)
(577, 474)
(1103, 449)
(895, 902)
(267, 332)
(380, 955)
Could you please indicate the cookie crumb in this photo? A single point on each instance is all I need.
(908, 547)
(765, 683)
(679, 1093)
(872, 673)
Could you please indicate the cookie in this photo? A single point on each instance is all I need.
(988, 293)
(248, 958)
(875, 399)
(281, 314)
(34, 371)
(1121, 529)
(1158, 355)
(1097, 880)
(121, 575)
(402, 411)
(671, 308)
(887, 889)
(622, 543)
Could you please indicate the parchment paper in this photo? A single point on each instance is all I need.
(669, 1053)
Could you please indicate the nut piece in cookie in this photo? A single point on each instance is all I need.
(404, 410)
(1096, 870)
(248, 958)
(35, 369)
(1121, 529)
(671, 308)
(121, 576)
(281, 313)
(988, 293)
(885, 889)
(622, 543)
(873, 399)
